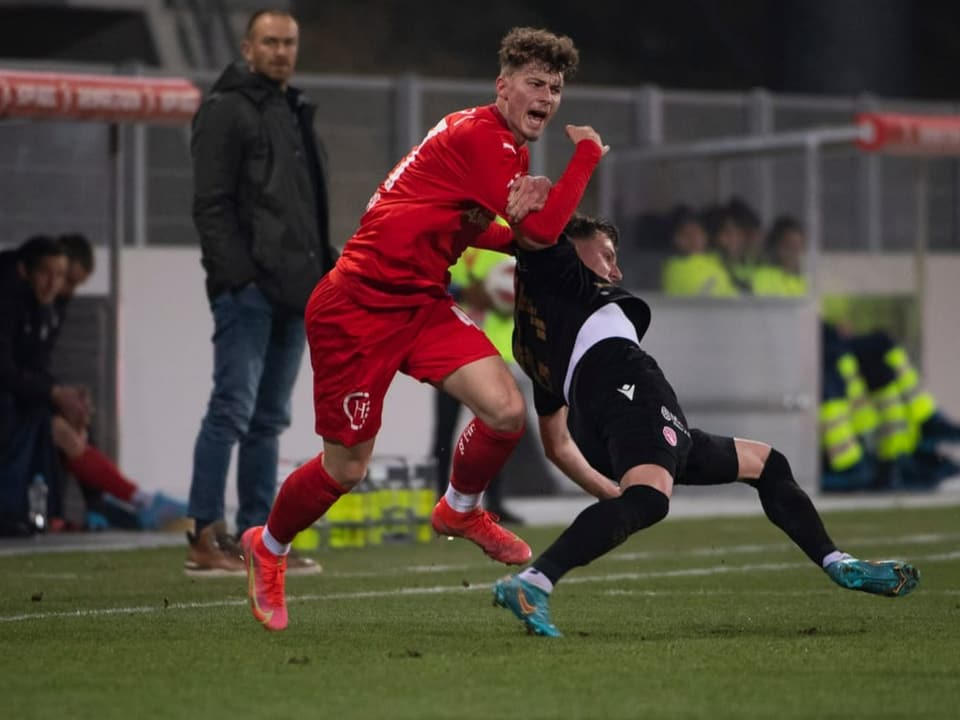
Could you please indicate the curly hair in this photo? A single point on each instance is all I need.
(584, 227)
(524, 45)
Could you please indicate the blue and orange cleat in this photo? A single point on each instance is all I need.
(891, 578)
(265, 578)
(528, 602)
(480, 527)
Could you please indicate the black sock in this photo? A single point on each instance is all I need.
(601, 527)
(790, 508)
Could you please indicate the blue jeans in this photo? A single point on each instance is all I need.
(256, 357)
(26, 450)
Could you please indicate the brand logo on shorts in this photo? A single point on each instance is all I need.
(464, 318)
(356, 406)
(626, 390)
(670, 436)
(670, 417)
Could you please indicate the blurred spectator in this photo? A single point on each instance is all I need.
(782, 275)
(746, 220)
(40, 416)
(727, 238)
(879, 428)
(694, 270)
(869, 379)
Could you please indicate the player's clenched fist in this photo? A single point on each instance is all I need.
(576, 133)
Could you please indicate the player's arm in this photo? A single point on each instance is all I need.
(544, 227)
(497, 236)
(563, 452)
(491, 177)
(528, 193)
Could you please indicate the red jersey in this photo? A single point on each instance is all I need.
(440, 199)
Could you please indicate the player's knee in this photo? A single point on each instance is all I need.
(509, 414)
(776, 470)
(347, 473)
(645, 505)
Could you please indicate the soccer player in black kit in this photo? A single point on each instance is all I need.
(610, 421)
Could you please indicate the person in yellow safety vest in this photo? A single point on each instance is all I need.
(746, 219)
(872, 407)
(782, 275)
(482, 283)
(847, 463)
(693, 270)
(847, 417)
(910, 426)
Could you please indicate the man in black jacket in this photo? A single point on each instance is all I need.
(260, 207)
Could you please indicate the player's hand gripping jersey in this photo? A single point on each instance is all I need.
(556, 293)
(441, 198)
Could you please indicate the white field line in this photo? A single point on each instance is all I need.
(724, 551)
(438, 589)
(752, 549)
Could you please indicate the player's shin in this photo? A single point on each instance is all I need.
(601, 527)
(790, 508)
(478, 456)
(306, 494)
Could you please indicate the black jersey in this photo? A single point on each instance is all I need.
(555, 294)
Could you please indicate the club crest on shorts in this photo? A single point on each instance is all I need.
(670, 435)
(356, 406)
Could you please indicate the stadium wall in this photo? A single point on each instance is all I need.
(166, 361)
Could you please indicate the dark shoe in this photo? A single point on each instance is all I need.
(926, 470)
(940, 429)
(213, 553)
(298, 564)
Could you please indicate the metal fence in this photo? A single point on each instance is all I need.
(51, 174)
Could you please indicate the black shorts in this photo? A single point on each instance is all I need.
(623, 413)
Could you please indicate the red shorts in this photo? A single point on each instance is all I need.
(356, 351)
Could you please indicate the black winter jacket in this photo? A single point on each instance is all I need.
(260, 194)
(28, 332)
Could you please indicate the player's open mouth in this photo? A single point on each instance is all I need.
(536, 117)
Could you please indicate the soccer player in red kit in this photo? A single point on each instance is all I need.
(385, 308)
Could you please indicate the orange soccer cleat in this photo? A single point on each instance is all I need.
(480, 527)
(265, 577)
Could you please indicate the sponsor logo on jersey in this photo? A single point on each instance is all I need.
(626, 390)
(670, 436)
(356, 406)
(670, 417)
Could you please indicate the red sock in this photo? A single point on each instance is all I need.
(479, 454)
(95, 470)
(304, 497)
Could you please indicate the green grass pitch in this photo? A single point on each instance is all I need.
(704, 618)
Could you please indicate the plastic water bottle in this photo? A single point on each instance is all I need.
(37, 503)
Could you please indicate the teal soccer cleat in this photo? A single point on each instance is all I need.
(892, 578)
(527, 602)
